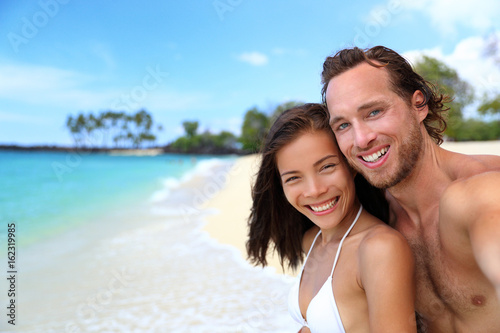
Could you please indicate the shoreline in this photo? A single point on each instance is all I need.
(151, 151)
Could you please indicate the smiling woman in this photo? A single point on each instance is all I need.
(358, 272)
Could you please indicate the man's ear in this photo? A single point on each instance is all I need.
(417, 100)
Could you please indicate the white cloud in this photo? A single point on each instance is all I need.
(39, 85)
(447, 15)
(471, 65)
(254, 58)
(469, 61)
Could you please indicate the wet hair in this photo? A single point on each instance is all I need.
(404, 82)
(273, 220)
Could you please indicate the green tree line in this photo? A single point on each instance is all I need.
(463, 95)
(112, 128)
(133, 130)
(255, 125)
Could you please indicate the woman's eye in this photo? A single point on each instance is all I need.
(291, 179)
(328, 166)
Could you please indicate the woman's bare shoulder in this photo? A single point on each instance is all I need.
(381, 239)
(383, 251)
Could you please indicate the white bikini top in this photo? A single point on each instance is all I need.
(322, 313)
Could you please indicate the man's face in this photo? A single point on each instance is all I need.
(377, 131)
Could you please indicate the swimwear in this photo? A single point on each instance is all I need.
(322, 313)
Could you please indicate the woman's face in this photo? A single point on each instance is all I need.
(316, 179)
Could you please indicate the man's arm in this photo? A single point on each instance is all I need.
(478, 201)
(484, 230)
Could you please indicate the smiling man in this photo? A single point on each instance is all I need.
(388, 122)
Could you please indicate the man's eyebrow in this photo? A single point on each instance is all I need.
(334, 120)
(371, 104)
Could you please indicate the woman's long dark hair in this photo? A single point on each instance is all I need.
(273, 219)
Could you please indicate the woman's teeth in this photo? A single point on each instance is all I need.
(324, 207)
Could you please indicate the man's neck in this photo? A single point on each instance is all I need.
(422, 189)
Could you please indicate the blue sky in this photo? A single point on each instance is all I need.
(209, 60)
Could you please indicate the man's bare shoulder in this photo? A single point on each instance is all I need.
(489, 162)
(468, 197)
(461, 166)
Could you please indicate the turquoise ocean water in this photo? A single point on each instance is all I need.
(48, 192)
(115, 244)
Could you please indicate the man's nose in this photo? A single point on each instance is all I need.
(363, 135)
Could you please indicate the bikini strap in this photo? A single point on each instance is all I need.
(312, 245)
(345, 235)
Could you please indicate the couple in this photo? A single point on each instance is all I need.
(359, 274)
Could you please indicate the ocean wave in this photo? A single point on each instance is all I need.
(194, 186)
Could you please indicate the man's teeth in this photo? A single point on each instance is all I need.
(375, 156)
(324, 207)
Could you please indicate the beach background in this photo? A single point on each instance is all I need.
(113, 243)
(141, 241)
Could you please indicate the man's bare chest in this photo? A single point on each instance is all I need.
(443, 281)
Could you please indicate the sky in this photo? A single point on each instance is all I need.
(210, 60)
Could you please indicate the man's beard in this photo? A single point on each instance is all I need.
(409, 152)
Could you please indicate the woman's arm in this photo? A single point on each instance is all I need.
(387, 276)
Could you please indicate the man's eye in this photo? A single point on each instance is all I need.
(343, 126)
(374, 113)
